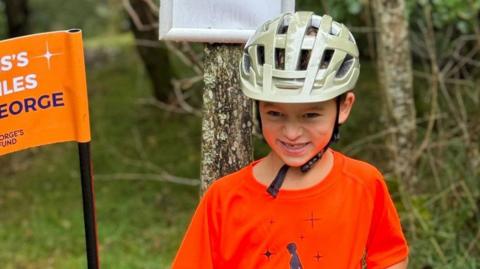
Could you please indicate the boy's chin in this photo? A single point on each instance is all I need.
(294, 162)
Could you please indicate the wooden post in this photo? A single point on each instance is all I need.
(227, 118)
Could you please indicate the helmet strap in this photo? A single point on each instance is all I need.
(257, 115)
(276, 184)
(333, 139)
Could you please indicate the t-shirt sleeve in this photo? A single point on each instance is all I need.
(386, 243)
(197, 249)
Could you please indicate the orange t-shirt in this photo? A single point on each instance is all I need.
(332, 224)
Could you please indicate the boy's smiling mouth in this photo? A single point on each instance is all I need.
(295, 148)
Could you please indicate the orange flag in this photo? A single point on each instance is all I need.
(43, 91)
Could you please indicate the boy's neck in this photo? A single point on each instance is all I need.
(266, 170)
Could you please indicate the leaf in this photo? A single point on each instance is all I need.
(462, 26)
(354, 7)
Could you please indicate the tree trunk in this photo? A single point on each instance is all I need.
(17, 16)
(227, 118)
(395, 73)
(154, 53)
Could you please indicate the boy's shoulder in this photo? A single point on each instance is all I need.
(232, 180)
(359, 167)
(361, 172)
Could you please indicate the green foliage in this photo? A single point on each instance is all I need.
(95, 18)
(461, 13)
(340, 10)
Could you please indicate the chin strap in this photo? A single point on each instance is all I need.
(276, 184)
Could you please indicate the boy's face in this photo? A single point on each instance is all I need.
(297, 132)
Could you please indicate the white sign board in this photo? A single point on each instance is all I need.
(220, 21)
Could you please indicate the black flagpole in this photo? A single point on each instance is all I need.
(88, 205)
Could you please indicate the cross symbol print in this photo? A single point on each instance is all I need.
(312, 219)
(318, 256)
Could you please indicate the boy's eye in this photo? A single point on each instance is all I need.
(311, 115)
(274, 113)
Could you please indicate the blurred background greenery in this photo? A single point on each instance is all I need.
(143, 147)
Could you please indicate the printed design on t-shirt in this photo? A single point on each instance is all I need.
(268, 254)
(312, 219)
(318, 256)
(294, 259)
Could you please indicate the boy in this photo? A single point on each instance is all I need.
(303, 205)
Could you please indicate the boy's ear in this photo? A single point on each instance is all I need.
(346, 107)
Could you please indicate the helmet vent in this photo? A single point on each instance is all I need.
(312, 31)
(260, 54)
(335, 30)
(345, 67)
(279, 58)
(283, 27)
(246, 63)
(326, 58)
(304, 59)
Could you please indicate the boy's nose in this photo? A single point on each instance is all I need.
(292, 131)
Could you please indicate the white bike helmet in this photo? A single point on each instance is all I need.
(299, 58)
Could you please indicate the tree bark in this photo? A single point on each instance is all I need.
(227, 118)
(17, 12)
(153, 53)
(395, 73)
